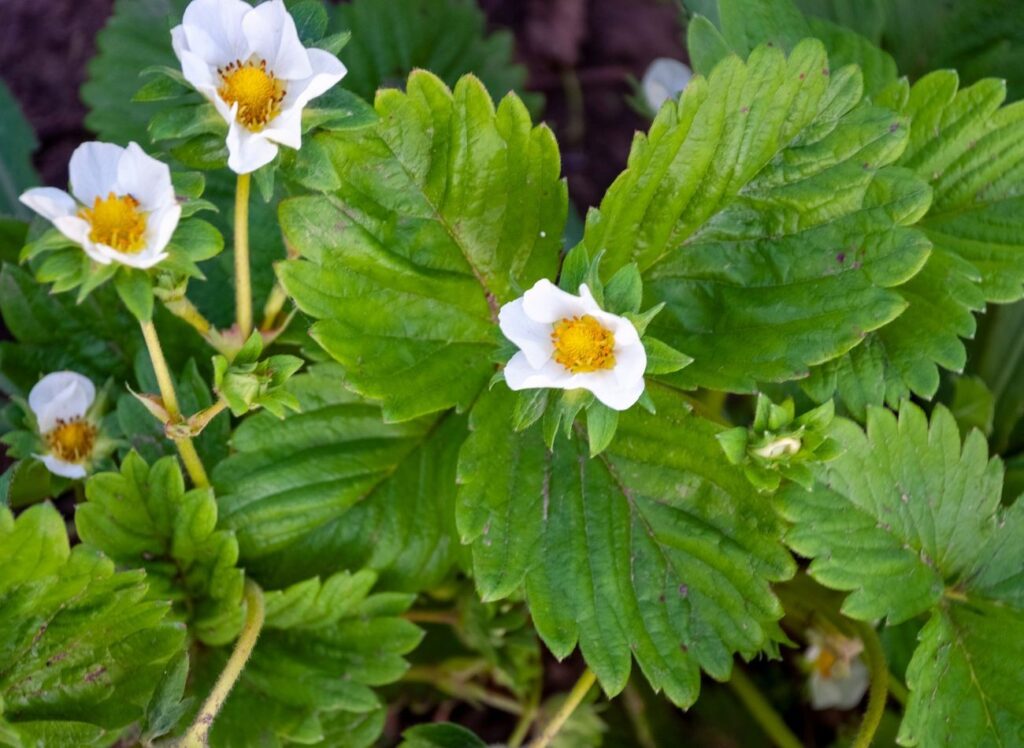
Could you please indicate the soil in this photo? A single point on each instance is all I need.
(580, 54)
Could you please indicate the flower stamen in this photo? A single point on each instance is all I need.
(72, 441)
(257, 92)
(582, 344)
(117, 222)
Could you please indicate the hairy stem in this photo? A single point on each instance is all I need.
(897, 690)
(879, 690)
(243, 281)
(202, 419)
(187, 450)
(573, 700)
(199, 733)
(529, 714)
(762, 711)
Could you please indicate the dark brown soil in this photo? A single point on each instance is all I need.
(579, 52)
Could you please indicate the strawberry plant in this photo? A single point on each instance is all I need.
(315, 421)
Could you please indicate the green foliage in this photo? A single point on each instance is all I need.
(959, 142)
(907, 501)
(324, 646)
(333, 487)
(445, 209)
(742, 25)
(441, 735)
(142, 517)
(97, 338)
(391, 38)
(660, 550)
(17, 142)
(81, 649)
(762, 210)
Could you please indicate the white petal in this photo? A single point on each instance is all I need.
(93, 171)
(74, 228)
(839, 693)
(101, 253)
(665, 79)
(286, 128)
(327, 71)
(144, 178)
(589, 302)
(213, 30)
(624, 331)
(49, 202)
(196, 70)
(60, 395)
(630, 363)
(520, 375)
(272, 36)
(248, 151)
(533, 338)
(609, 390)
(59, 467)
(143, 260)
(160, 226)
(547, 303)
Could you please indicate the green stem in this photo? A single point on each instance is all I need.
(897, 690)
(272, 309)
(187, 450)
(243, 282)
(528, 716)
(762, 711)
(573, 700)
(461, 689)
(879, 690)
(198, 734)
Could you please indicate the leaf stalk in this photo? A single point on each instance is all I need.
(879, 690)
(573, 700)
(198, 734)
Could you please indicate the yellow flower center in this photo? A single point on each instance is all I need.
(258, 93)
(72, 441)
(582, 344)
(117, 222)
(826, 660)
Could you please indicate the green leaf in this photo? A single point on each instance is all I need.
(136, 37)
(332, 487)
(908, 501)
(168, 704)
(659, 551)
(745, 24)
(391, 38)
(324, 646)
(441, 735)
(142, 517)
(964, 679)
(763, 211)
(17, 142)
(962, 143)
(97, 338)
(973, 405)
(80, 649)
(437, 227)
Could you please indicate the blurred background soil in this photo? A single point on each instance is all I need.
(580, 54)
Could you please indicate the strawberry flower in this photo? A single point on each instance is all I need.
(61, 402)
(568, 342)
(250, 64)
(122, 207)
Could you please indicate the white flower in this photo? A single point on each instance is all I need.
(665, 79)
(60, 402)
(250, 63)
(122, 206)
(568, 342)
(839, 678)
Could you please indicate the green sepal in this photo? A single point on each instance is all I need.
(601, 424)
(663, 358)
(624, 292)
(530, 406)
(135, 288)
(247, 383)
